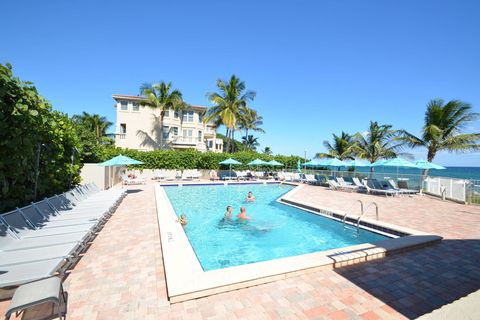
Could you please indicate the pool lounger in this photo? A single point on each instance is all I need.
(378, 190)
(16, 275)
(62, 251)
(49, 290)
(22, 229)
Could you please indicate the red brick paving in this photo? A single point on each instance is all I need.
(121, 275)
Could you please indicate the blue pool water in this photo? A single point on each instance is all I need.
(276, 231)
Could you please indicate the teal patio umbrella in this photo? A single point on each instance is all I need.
(334, 162)
(257, 162)
(314, 163)
(395, 162)
(275, 163)
(357, 163)
(424, 164)
(299, 166)
(119, 161)
(229, 162)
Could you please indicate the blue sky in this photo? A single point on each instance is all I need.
(318, 66)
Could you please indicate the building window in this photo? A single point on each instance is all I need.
(200, 117)
(123, 105)
(187, 135)
(199, 136)
(175, 114)
(188, 116)
(166, 131)
(166, 113)
(175, 131)
(123, 128)
(210, 144)
(135, 106)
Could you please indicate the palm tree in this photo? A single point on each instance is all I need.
(161, 96)
(443, 126)
(250, 120)
(379, 142)
(250, 142)
(267, 151)
(228, 105)
(342, 147)
(93, 122)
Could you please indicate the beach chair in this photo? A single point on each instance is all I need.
(131, 181)
(373, 187)
(346, 186)
(361, 187)
(49, 290)
(67, 252)
(402, 190)
(334, 185)
(15, 275)
(310, 179)
(22, 229)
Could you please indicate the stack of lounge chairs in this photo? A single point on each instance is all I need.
(191, 174)
(129, 180)
(46, 237)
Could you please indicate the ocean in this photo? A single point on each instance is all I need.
(451, 172)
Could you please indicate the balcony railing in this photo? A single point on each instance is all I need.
(184, 140)
(120, 135)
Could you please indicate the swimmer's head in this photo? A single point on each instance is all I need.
(242, 209)
(229, 208)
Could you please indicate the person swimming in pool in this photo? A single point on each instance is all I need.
(243, 214)
(250, 197)
(228, 213)
(183, 220)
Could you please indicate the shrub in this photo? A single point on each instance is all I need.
(30, 129)
(192, 159)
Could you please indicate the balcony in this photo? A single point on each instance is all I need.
(180, 140)
(120, 136)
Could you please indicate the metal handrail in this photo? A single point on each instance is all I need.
(350, 209)
(366, 209)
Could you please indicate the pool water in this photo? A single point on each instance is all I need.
(275, 231)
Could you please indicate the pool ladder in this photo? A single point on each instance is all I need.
(344, 219)
(362, 213)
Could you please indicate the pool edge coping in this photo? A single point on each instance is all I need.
(186, 280)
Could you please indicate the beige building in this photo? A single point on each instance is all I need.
(138, 127)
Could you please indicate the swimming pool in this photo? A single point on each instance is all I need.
(276, 231)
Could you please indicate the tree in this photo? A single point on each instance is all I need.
(250, 142)
(379, 142)
(229, 103)
(443, 127)
(250, 120)
(93, 122)
(342, 147)
(36, 144)
(161, 96)
(267, 151)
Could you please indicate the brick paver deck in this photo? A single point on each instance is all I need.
(121, 275)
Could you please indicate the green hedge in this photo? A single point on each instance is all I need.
(28, 122)
(191, 159)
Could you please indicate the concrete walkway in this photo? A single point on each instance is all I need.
(121, 275)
